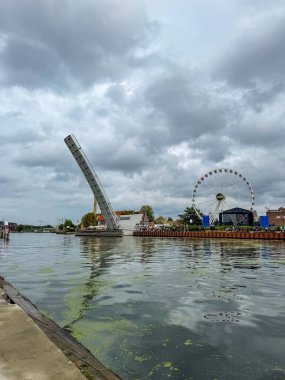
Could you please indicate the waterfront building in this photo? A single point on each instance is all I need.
(128, 222)
(276, 217)
(11, 225)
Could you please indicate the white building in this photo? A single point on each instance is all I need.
(129, 222)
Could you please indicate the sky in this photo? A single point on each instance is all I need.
(157, 93)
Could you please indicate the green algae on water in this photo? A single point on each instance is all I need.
(46, 270)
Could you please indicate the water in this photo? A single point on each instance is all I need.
(160, 308)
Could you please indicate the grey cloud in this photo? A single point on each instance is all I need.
(217, 152)
(59, 43)
(60, 177)
(125, 162)
(268, 182)
(260, 133)
(258, 55)
(20, 137)
(42, 155)
(214, 149)
(116, 93)
(76, 113)
(11, 114)
(273, 184)
(259, 98)
(147, 60)
(30, 64)
(4, 179)
(183, 106)
(127, 157)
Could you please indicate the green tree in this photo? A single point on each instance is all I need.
(189, 215)
(146, 209)
(68, 225)
(128, 212)
(160, 220)
(89, 219)
(21, 227)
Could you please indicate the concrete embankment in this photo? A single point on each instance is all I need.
(34, 347)
(214, 234)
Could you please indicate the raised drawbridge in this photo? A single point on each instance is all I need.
(111, 218)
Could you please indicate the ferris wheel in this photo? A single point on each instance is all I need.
(219, 190)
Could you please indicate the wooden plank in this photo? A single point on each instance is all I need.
(75, 351)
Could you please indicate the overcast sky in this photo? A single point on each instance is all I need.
(157, 92)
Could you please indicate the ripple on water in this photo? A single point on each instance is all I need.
(160, 308)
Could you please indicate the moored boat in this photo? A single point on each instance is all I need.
(100, 233)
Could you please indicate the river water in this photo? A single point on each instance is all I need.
(153, 308)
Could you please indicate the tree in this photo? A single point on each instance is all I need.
(160, 220)
(128, 212)
(89, 219)
(189, 215)
(21, 227)
(68, 225)
(146, 209)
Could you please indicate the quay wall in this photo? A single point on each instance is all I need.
(214, 234)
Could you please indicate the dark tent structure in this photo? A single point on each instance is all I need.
(236, 217)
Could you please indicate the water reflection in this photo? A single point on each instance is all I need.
(147, 247)
(4, 247)
(96, 251)
(161, 308)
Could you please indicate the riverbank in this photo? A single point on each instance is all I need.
(214, 234)
(34, 347)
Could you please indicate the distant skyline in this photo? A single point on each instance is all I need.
(156, 92)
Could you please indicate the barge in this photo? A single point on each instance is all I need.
(100, 233)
